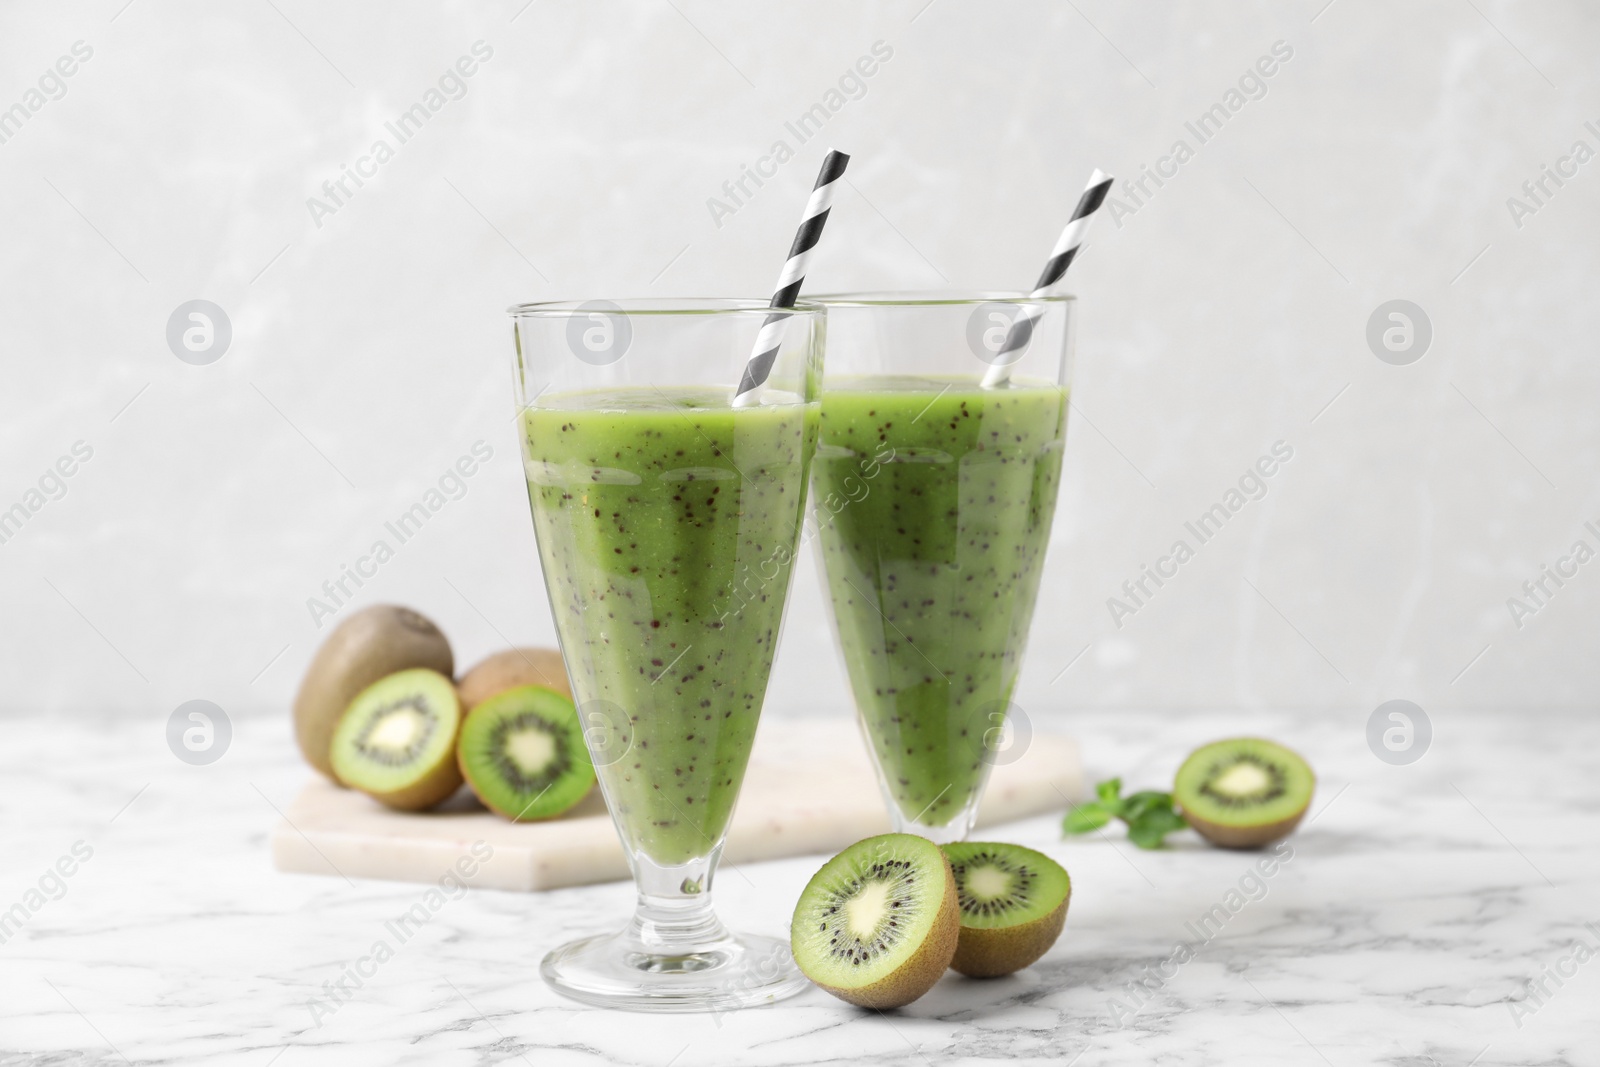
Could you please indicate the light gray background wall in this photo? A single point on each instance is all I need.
(1226, 313)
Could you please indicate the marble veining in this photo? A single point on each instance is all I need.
(1404, 928)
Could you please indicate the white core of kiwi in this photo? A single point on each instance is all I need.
(988, 883)
(1241, 780)
(867, 910)
(398, 729)
(531, 750)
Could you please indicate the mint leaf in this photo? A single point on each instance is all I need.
(1086, 817)
(1134, 807)
(1150, 829)
(1149, 814)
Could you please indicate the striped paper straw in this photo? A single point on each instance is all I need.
(770, 339)
(1061, 258)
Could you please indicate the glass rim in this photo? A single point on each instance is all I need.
(935, 298)
(653, 305)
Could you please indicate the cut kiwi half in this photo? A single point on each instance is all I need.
(878, 924)
(1243, 792)
(1013, 904)
(397, 740)
(522, 752)
(373, 643)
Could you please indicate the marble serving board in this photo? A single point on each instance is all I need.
(810, 789)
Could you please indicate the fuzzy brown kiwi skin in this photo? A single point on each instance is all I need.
(509, 669)
(922, 971)
(983, 953)
(1245, 837)
(373, 643)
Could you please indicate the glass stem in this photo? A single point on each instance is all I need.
(673, 920)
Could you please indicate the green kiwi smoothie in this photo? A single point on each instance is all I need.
(946, 493)
(667, 523)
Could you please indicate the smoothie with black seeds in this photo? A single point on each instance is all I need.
(934, 571)
(667, 523)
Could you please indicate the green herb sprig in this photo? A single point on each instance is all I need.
(1149, 814)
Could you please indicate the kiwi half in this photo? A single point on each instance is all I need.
(511, 668)
(878, 924)
(1243, 792)
(522, 752)
(397, 740)
(1013, 904)
(371, 644)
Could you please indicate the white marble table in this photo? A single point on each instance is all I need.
(1417, 905)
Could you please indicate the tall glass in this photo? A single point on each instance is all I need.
(934, 497)
(667, 522)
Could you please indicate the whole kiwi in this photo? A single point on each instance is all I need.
(510, 669)
(371, 644)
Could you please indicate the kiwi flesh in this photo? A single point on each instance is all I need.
(522, 753)
(1244, 792)
(1013, 904)
(511, 668)
(371, 644)
(878, 924)
(397, 740)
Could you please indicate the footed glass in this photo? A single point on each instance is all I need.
(667, 522)
(934, 497)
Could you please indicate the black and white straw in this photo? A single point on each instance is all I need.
(1061, 258)
(770, 339)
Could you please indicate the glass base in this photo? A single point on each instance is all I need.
(622, 971)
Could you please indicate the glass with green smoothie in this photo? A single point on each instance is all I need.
(667, 521)
(934, 494)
